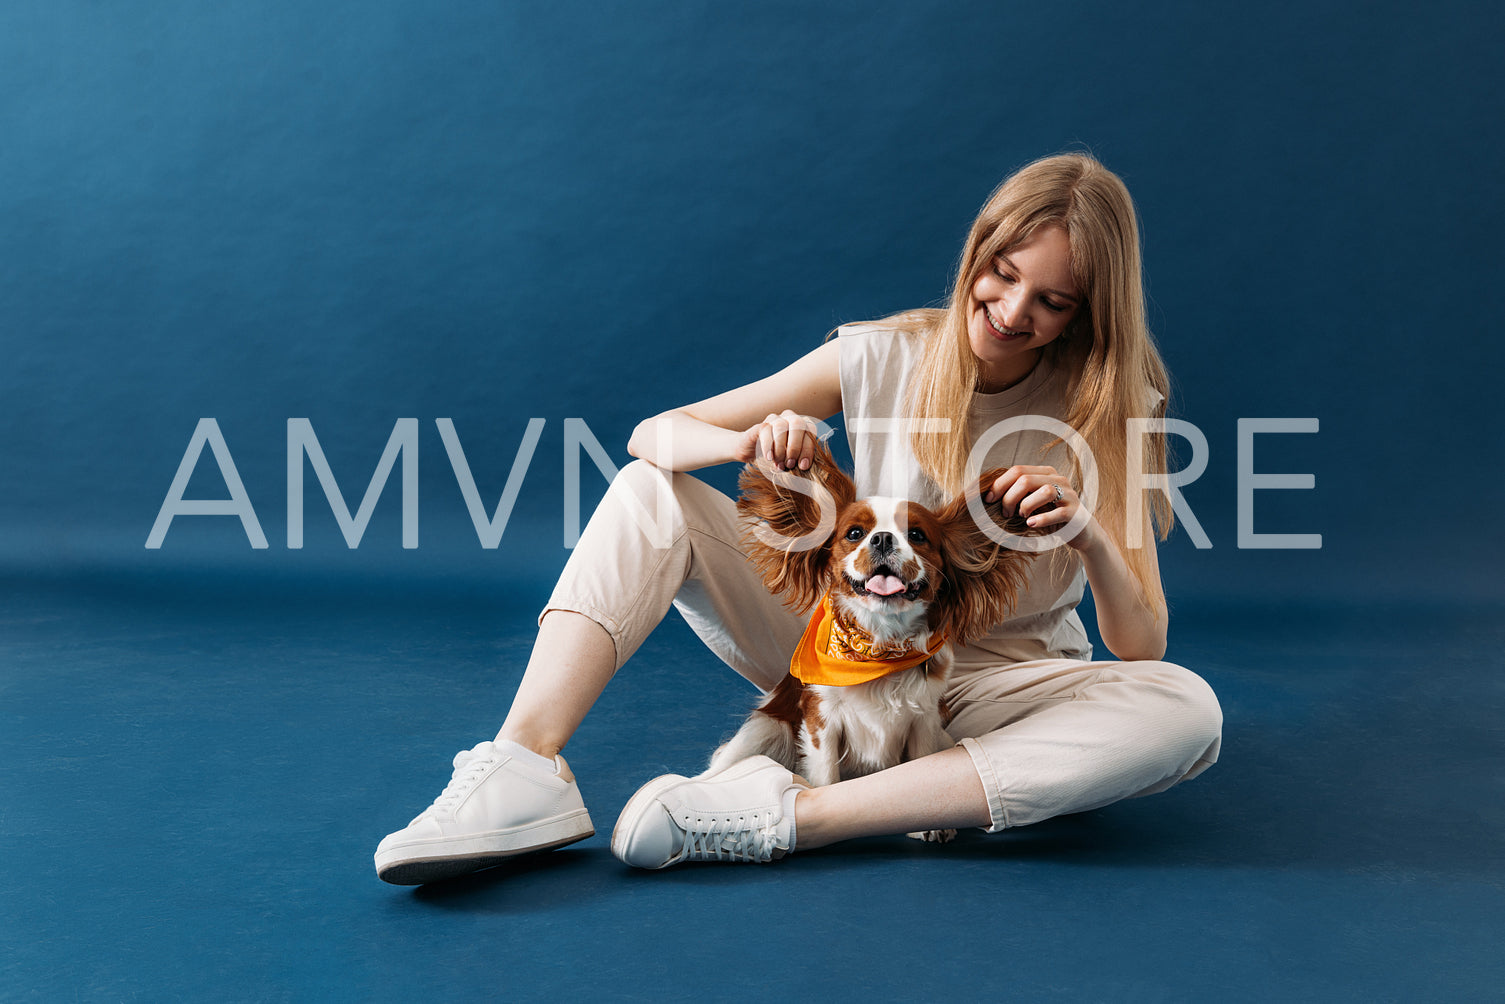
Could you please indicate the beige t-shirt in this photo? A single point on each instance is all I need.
(875, 366)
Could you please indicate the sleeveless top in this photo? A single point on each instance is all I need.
(875, 366)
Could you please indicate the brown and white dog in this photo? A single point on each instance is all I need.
(893, 587)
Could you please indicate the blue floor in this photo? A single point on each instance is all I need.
(193, 778)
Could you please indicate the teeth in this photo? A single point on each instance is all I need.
(996, 326)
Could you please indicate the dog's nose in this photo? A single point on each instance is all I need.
(881, 542)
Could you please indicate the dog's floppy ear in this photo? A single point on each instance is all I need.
(985, 574)
(790, 521)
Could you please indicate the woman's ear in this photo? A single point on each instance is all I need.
(791, 519)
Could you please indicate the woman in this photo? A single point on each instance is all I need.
(1046, 319)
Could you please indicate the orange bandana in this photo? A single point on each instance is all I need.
(834, 654)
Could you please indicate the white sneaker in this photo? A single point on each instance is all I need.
(493, 808)
(744, 812)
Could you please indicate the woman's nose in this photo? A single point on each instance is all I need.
(1013, 313)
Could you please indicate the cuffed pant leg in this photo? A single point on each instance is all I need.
(1059, 736)
(659, 539)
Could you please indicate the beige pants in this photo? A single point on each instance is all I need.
(1047, 737)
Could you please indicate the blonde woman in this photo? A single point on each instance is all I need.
(1038, 364)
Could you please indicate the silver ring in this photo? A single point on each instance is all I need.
(1058, 493)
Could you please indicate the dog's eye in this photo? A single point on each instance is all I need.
(855, 533)
(917, 535)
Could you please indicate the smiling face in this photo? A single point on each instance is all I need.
(1022, 301)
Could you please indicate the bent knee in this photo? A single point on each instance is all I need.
(641, 478)
(646, 481)
(1196, 709)
(648, 489)
(671, 500)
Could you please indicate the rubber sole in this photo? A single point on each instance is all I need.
(437, 860)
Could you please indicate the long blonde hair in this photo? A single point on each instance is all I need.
(1115, 371)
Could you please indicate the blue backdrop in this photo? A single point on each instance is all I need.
(356, 213)
(498, 212)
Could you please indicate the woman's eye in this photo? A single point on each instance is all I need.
(1056, 308)
(918, 536)
(998, 271)
(855, 533)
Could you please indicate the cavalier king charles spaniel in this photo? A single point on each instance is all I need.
(893, 587)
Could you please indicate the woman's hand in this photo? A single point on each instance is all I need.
(1029, 491)
(786, 440)
(1131, 628)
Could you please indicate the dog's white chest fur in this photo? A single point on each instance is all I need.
(870, 726)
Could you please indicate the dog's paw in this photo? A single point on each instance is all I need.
(933, 836)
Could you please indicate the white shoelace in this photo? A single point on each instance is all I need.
(469, 766)
(753, 837)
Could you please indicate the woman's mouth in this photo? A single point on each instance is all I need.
(999, 329)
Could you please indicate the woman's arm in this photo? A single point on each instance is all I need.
(767, 418)
(1131, 627)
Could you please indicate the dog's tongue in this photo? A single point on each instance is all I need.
(885, 585)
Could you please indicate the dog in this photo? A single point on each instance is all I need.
(894, 588)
